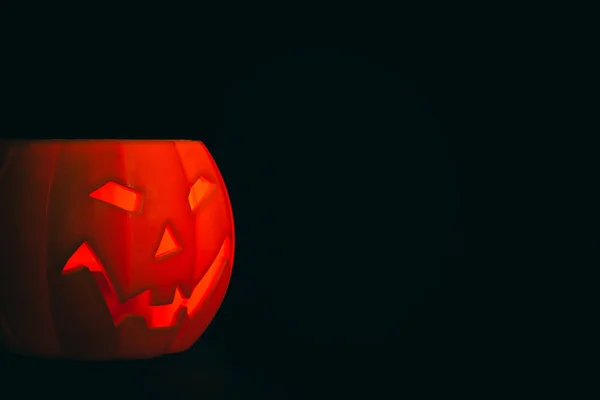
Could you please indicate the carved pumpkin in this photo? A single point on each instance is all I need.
(111, 249)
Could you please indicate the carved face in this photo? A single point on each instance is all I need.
(139, 246)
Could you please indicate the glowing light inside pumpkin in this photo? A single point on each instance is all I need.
(200, 191)
(168, 244)
(83, 256)
(162, 316)
(118, 196)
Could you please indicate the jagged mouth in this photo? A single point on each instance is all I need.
(156, 316)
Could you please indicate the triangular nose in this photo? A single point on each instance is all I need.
(168, 244)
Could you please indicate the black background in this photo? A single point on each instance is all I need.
(366, 155)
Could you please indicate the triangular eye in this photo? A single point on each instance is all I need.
(119, 196)
(199, 192)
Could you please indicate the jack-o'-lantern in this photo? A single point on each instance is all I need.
(111, 249)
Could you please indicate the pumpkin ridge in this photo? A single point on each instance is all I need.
(43, 253)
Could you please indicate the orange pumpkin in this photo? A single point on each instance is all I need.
(111, 248)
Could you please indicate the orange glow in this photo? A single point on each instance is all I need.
(200, 190)
(162, 316)
(210, 278)
(103, 258)
(83, 256)
(168, 244)
(119, 196)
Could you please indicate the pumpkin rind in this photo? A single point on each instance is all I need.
(154, 215)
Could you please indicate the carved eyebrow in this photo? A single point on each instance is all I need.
(199, 191)
(119, 196)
